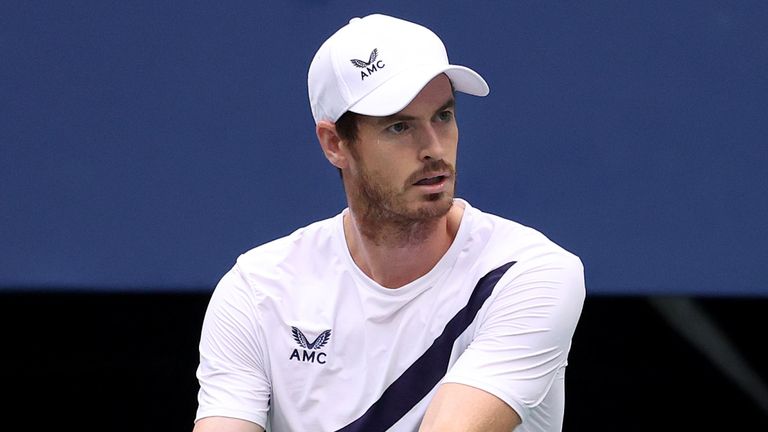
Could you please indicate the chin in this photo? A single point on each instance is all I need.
(436, 205)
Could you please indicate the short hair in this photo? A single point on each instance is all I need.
(346, 126)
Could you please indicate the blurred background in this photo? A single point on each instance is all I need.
(145, 145)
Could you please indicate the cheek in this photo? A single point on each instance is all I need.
(389, 170)
(451, 137)
(451, 151)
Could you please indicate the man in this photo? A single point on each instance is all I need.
(410, 310)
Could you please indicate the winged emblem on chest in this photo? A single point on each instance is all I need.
(303, 342)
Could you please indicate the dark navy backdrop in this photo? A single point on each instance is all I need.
(144, 145)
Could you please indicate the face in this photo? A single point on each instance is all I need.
(402, 167)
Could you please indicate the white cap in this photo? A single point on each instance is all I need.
(376, 65)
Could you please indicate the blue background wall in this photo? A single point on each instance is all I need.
(144, 145)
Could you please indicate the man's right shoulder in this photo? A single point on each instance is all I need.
(305, 244)
(273, 269)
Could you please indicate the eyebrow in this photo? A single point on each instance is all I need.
(450, 103)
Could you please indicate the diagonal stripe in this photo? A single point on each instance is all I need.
(424, 374)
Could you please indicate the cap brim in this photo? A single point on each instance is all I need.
(397, 92)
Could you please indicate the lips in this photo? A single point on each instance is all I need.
(430, 181)
(434, 176)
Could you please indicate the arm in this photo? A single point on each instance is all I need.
(225, 424)
(457, 407)
(514, 367)
(234, 387)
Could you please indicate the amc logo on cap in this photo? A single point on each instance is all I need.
(369, 66)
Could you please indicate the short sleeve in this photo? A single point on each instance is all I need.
(521, 343)
(231, 372)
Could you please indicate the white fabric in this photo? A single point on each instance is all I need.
(252, 367)
(376, 65)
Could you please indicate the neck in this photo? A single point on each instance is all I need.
(395, 252)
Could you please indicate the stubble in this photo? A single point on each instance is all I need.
(383, 213)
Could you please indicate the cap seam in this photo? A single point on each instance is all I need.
(347, 93)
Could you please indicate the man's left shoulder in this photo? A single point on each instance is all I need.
(523, 243)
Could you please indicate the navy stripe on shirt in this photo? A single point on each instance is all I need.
(422, 376)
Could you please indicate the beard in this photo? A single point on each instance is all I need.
(384, 212)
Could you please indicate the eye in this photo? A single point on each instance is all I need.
(398, 128)
(445, 116)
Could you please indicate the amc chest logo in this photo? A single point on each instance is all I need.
(370, 66)
(310, 352)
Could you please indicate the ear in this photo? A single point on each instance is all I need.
(332, 144)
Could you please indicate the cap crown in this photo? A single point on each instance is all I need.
(363, 55)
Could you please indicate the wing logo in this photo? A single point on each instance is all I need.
(369, 67)
(371, 59)
(303, 342)
(309, 352)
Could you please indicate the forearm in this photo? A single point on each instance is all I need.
(225, 424)
(461, 408)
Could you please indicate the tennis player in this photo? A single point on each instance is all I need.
(409, 310)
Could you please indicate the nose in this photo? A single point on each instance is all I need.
(433, 147)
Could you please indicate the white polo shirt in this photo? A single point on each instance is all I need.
(297, 338)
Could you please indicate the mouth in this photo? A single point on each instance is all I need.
(433, 183)
(429, 181)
